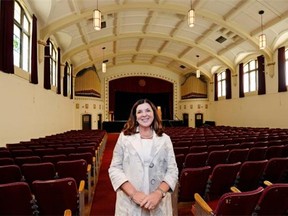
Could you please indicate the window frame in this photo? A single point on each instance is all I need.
(221, 84)
(25, 19)
(53, 65)
(249, 71)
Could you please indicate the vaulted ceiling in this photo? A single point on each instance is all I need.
(156, 32)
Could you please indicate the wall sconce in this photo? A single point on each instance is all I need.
(191, 17)
(262, 37)
(97, 19)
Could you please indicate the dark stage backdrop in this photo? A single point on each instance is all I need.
(125, 100)
(124, 92)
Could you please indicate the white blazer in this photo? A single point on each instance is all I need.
(127, 165)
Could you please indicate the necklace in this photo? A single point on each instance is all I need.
(145, 136)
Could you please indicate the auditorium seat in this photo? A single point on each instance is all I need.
(217, 157)
(275, 169)
(181, 150)
(6, 161)
(256, 153)
(27, 159)
(21, 152)
(91, 168)
(180, 158)
(16, 199)
(44, 151)
(273, 200)
(237, 155)
(38, 171)
(214, 148)
(249, 175)
(261, 144)
(193, 160)
(246, 144)
(232, 146)
(4, 152)
(198, 148)
(192, 180)
(10, 173)
(54, 158)
(230, 203)
(65, 150)
(220, 180)
(55, 196)
(274, 151)
(77, 169)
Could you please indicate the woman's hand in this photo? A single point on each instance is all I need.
(151, 200)
(138, 197)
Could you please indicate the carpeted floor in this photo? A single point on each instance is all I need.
(104, 195)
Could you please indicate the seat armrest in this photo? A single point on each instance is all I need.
(235, 189)
(268, 183)
(81, 198)
(89, 168)
(201, 206)
(67, 212)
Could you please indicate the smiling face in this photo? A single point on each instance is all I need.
(144, 115)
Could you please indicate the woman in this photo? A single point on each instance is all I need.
(143, 168)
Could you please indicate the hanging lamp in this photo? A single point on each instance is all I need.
(262, 37)
(97, 19)
(198, 73)
(103, 62)
(191, 17)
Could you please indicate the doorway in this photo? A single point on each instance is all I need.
(100, 121)
(86, 122)
(185, 119)
(198, 119)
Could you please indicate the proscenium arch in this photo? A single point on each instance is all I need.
(176, 90)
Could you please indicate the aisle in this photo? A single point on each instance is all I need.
(104, 198)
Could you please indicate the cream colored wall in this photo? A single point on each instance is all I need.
(29, 111)
(253, 111)
(85, 105)
(269, 110)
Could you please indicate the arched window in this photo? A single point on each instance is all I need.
(22, 38)
(221, 83)
(53, 64)
(250, 76)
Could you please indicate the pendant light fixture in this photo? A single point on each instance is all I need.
(262, 37)
(103, 62)
(198, 73)
(191, 16)
(97, 19)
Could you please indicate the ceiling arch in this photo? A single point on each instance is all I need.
(156, 32)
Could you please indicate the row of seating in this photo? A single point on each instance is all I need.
(271, 200)
(44, 197)
(68, 138)
(78, 169)
(213, 182)
(181, 136)
(199, 159)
